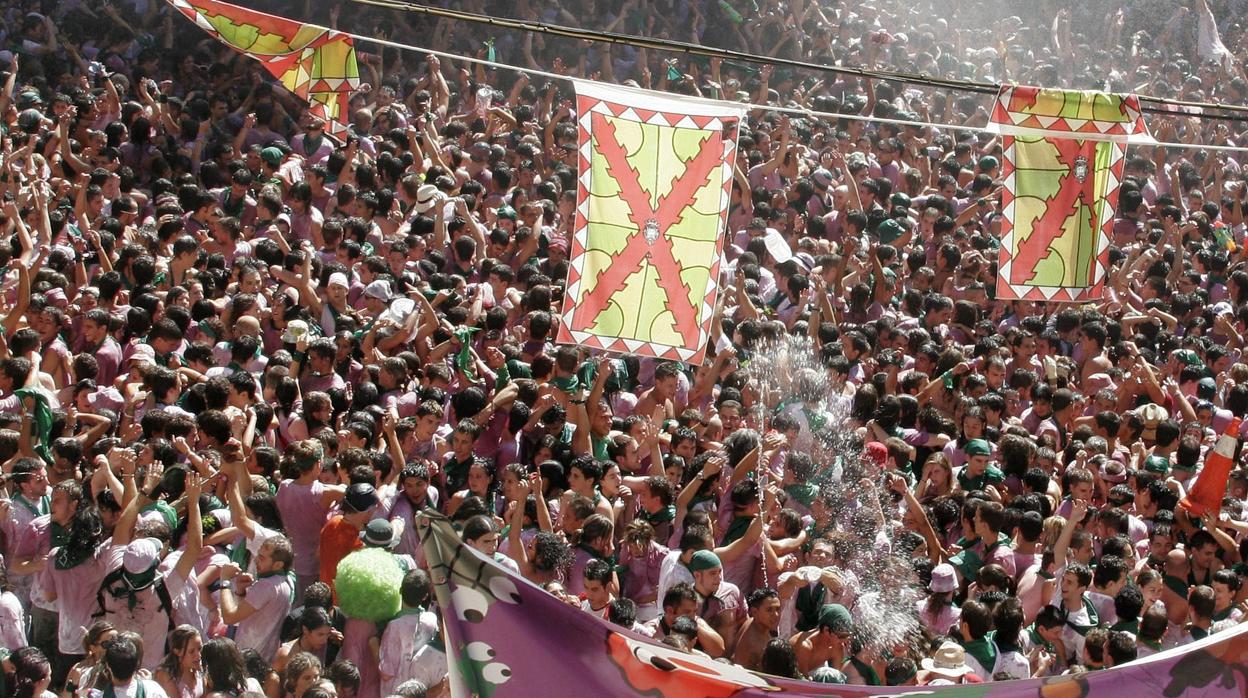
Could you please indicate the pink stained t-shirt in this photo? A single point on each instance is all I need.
(303, 516)
(75, 589)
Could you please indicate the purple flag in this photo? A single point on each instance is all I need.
(507, 637)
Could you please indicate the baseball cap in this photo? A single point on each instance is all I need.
(271, 155)
(141, 554)
(338, 279)
(889, 230)
(704, 560)
(978, 447)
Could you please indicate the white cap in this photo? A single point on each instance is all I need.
(141, 554)
(338, 279)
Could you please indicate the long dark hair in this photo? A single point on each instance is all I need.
(223, 666)
(30, 667)
(86, 530)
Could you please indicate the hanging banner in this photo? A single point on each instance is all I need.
(507, 637)
(1064, 154)
(315, 63)
(652, 203)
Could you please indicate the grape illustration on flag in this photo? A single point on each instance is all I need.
(652, 202)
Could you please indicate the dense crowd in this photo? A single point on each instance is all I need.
(238, 347)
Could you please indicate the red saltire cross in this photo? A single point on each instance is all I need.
(649, 241)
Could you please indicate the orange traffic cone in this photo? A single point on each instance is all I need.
(1210, 487)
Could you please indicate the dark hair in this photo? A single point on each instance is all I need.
(122, 657)
(30, 666)
(224, 667)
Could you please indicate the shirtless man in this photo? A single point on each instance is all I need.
(759, 629)
(827, 643)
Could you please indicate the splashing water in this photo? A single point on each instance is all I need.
(786, 372)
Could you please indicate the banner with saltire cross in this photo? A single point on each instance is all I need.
(316, 64)
(654, 185)
(1064, 154)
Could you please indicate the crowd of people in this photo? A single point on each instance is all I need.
(238, 346)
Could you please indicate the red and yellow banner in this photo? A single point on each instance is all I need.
(652, 203)
(1063, 164)
(315, 63)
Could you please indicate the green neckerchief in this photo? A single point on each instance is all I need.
(865, 670)
(111, 691)
(68, 558)
(662, 516)
(1036, 640)
(807, 604)
(1154, 645)
(232, 208)
(736, 529)
(463, 358)
(37, 509)
(131, 584)
(1002, 539)
(456, 472)
(599, 447)
(1223, 615)
(290, 579)
(1175, 584)
(1129, 625)
(1198, 633)
(594, 553)
(983, 651)
(42, 421)
(816, 419)
(502, 377)
(311, 145)
(990, 476)
(166, 512)
(60, 535)
(803, 493)
(1004, 646)
(1093, 619)
(567, 385)
(240, 555)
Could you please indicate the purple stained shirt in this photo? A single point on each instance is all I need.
(303, 516)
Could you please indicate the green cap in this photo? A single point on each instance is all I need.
(507, 212)
(1157, 464)
(271, 155)
(1189, 357)
(836, 618)
(978, 447)
(704, 560)
(889, 230)
(900, 199)
(988, 163)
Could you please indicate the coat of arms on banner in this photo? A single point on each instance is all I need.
(1064, 157)
(652, 200)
